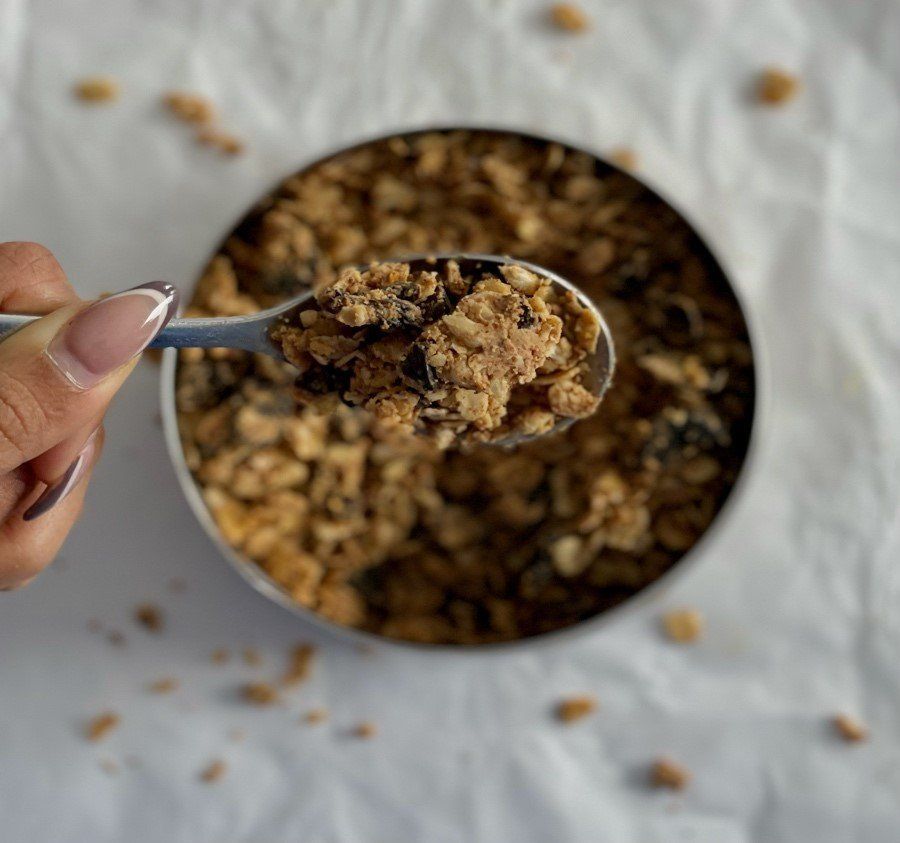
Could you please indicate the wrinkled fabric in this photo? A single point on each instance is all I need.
(800, 583)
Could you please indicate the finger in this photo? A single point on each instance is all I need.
(60, 371)
(31, 280)
(52, 464)
(29, 546)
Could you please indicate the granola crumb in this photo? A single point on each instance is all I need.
(190, 108)
(149, 616)
(177, 585)
(98, 89)
(300, 664)
(220, 656)
(214, 771)
(850, 728)
(569, 17)
(252, 657)
(684, 625)
(315, 715)
(668, 773)
(260, 693)
(224, 142)
(776, 86)
(365, 730)
(624, 157)
(101, 725)
(109, 766)
(575, 708)
(166, 685)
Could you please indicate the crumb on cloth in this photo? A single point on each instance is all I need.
(776, 86)
(149, 616)
(850, 728)
(214, 771)
(684, 625)
(98, 89)
(668, 773)
(569, 17)
(102, 725)
(570, 709)
(189, 107)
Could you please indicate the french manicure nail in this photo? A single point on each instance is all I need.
(52, 495)
(108, 333)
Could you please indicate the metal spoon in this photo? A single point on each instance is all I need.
(252, 333)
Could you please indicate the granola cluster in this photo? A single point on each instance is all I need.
(451, 356)
(389, 533)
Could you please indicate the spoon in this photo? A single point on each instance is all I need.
(252, 333)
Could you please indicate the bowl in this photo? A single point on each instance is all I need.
(267, 586)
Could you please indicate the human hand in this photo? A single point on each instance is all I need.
(57, 376)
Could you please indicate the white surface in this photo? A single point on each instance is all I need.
(802, 589)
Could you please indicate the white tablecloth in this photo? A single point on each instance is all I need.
(802, 590)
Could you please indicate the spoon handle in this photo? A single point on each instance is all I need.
(250, 333)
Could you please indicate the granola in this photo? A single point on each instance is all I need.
(455, 357)
(668, 773)
(101, 725)
(850, 728)
(388, 533)
(683, 625)
(569, 17)
(571, 709)
(98, 89)
(776, 86)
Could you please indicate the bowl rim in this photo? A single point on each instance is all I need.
(263, 584)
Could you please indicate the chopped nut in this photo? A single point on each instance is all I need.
(260, 693)
(220, 656)
(850, 728)
(575, 708)
(224, 142)
(316, 715)
(149, 616)
(98, 89)
(101, 725)
(668, 773)
(299, 665)
(365, 730)
(164, 686)
(776, 86)
(214, 771)
(190, 108)
(684, 625)
(569, 17)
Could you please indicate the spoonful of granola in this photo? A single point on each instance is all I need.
(459, 348)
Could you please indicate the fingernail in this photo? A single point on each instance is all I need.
(110, 332)
(60, 489)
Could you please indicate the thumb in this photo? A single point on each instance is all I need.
(58, 373)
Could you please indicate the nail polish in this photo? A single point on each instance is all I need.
(108, 333)
(52, 495)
